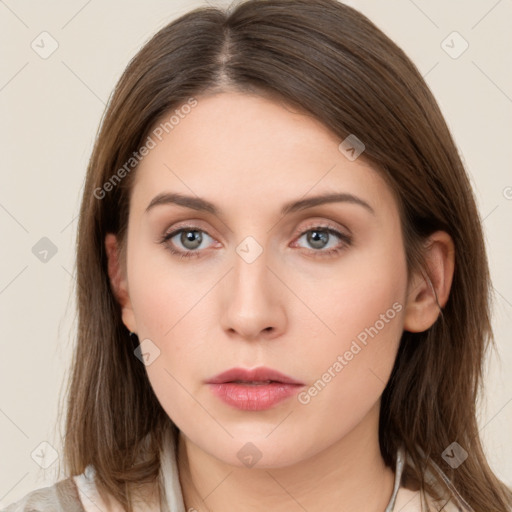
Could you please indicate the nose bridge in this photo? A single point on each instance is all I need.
(250, 275)
(252, 300)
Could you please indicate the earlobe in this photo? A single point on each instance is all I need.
(118, 281)
(429, 292)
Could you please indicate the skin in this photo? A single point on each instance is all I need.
(291, 309)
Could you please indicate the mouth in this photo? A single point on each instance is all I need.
(253, 390)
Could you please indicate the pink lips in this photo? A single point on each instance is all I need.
(260, 374)
(253, 390)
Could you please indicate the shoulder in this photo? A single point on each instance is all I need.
(60, 497)
(145, 497)
(418, 501)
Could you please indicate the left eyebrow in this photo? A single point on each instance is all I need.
(309, 202)
(197, 203)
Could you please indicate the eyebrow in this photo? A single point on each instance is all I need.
(196, 203)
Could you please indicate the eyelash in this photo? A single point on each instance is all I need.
(346, 239)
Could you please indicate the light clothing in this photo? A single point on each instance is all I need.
(79, 493)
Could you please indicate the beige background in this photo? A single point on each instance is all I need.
(50, 109)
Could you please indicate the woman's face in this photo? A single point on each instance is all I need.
(316, 292)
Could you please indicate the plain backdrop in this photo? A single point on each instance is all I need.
(59, 63)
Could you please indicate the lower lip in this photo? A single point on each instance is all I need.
(254, 397)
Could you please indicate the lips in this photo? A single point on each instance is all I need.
(261, 375)
(253, 390)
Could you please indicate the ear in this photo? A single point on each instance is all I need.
(118, 281)
(427, 293)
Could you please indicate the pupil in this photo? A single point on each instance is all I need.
(193, 237)
(318, 238)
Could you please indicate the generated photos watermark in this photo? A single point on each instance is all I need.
(361, 341)
(151, 142)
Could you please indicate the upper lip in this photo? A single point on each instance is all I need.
(260, 374)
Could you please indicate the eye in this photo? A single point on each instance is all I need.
(323, 240)
(190, 238)
(188, 241)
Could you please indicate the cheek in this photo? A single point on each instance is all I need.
(166, 295)
(359, 295)
(170, 304)
(364, 307)
(167, 311)
(361, 348)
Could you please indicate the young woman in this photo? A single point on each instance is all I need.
(282, 280)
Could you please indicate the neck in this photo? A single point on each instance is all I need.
(341, 478)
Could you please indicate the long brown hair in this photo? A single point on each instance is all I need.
(336, 65)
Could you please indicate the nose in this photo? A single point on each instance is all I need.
(253, 300)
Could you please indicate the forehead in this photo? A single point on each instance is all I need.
(236, 147)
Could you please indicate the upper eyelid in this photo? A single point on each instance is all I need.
(311, 220)
(195, 226)
(298, 233)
